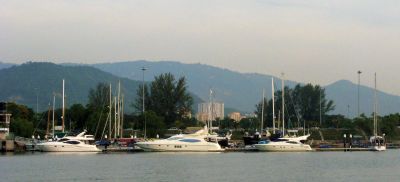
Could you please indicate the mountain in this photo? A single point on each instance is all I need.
(26, 82)
(237, 90)
(344, 94)
(5, 65)
(241, 91)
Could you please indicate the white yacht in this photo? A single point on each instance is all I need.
(377, 143)
(78, 143)
(196, 142)
(285, 144)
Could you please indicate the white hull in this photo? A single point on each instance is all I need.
(285, 145)
(378, 148)
(178, 147)
(275, 147)
(62, 147)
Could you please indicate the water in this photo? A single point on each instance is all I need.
(202, 167)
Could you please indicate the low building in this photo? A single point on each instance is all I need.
(236, 116)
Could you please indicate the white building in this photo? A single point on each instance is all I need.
(212, 111)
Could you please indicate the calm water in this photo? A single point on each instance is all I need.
(202, 167)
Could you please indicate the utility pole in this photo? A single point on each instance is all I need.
(358, 94)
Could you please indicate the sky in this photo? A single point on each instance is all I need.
(317, 42)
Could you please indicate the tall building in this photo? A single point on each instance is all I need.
(206, 111)
(4, 121)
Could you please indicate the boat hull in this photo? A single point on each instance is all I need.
(56, 147)
(378, 148)
(283, 147)
(154, 147)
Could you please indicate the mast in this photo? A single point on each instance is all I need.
(122, 116)
(109, 114)
(273, 105)
(210, 111)
(262, 112)
(375, 110)
(54, 103)
(48, 122)
(115, 117)
(63, 105)
(119, 109)
(283, 105)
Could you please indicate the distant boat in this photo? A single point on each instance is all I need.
(201, 141)
(78, 143)
(377, 143)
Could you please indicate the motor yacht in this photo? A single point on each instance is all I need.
(78, 143)
(196, 142)
(285, 144)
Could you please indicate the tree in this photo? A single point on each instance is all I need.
(77, 114)
(168, 98)
(99, 97)
(21, 121)
(302, 103)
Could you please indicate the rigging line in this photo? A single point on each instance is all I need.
(101, 115)
(295, 107)
(37, 125)
(105, 125)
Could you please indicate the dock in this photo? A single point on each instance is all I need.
(340, 149)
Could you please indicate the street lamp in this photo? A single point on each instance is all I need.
(358, 95)
(145, 127)
(37, 99)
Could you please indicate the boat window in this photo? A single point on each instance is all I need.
(280, 140)
(72, 142)
(63, 139)
(190, 140)
(174, 138)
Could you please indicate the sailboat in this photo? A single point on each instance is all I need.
(78, 143)
(285, 143)
(377, 143)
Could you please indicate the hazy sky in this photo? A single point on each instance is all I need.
(311, 41)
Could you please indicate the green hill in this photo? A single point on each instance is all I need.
(25, 83)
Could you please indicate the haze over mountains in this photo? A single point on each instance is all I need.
(240, 91)
(243, 90)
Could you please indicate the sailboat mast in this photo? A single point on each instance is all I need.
(63, 104)
(283, 105)
(122, 116)
(262, 112)
(110, 132)
(273, 106)
(210, 111)
(375, 110)
(115, 117)
(54, 103)
(119, 109)
(48, 122)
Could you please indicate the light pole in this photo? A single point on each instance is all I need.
(358, 94)
(37, 99)
(145, 127)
